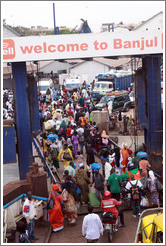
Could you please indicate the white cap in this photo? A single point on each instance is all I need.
(130, 159)
(81, 165)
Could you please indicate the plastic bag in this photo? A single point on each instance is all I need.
(50, 203)
(78, 190)
(144, 202)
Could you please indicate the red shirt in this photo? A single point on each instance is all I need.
(109, 205)
(68, 132)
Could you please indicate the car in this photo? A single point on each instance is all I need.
(120, 101)
(150, 227)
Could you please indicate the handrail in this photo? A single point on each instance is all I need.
(113, 143)
(52, 178)
(21, 196)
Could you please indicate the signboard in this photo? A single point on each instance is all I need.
(40, 48)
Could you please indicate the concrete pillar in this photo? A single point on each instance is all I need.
(101, 119)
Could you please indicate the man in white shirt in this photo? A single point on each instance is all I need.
(107, 168)
(29, 214)
(110, 107)
(92, 226)
(85, 94)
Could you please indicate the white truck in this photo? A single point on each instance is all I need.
(43, 85)
(72, 81)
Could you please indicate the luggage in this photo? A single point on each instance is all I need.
(93, 200)
(67, 156)
(47, 125)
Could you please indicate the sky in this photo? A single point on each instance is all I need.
(69, 13)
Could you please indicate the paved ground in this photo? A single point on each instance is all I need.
(73, 234)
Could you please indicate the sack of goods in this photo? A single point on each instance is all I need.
(67, 156)
(93, 200)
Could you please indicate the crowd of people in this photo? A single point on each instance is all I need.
(71, 140)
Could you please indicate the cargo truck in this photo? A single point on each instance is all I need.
(112, 81)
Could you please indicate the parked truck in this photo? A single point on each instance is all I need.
(112, 81)
(72, 81)
(43, 85)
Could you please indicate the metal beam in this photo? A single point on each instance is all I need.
(154, 136)
(22, 118)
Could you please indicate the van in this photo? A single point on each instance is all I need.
(120, 101)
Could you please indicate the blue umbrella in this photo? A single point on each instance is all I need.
(52, 137)
(95, 166)
(141, 154)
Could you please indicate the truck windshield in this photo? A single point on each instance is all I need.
(103, 86)
(73, 86)
(43, 87)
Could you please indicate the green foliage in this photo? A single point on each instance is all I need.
(24, 31)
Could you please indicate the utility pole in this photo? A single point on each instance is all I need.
(55, 31)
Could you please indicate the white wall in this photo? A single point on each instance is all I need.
(152, 25)
(55, 66)
(91, 68)
(121, 29)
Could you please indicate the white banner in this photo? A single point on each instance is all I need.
(40, 48)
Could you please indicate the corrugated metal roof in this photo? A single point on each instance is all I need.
(29, 67)
(10, 29)
(143, 22)
(112, 62)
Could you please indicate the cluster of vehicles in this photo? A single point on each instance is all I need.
(120, 101)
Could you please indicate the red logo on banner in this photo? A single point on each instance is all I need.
(8, 49)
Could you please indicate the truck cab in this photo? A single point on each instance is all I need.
(72, 84)
(43, 85)
(101, 88)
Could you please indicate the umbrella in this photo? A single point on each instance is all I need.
(52, 137)
(95, 166)
(141, 154)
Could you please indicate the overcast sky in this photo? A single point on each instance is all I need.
(69, 13)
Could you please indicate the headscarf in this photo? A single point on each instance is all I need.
(124, 145)
(151, 175)
(56, 187)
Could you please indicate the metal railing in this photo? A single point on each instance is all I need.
(114, 145)
(22, 196)
(50, 174)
